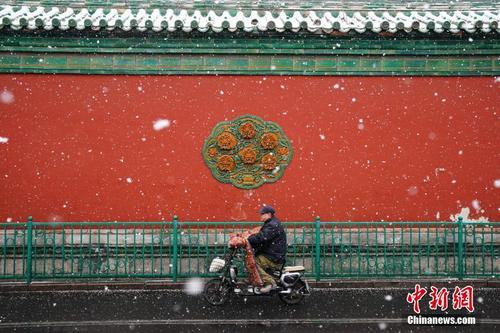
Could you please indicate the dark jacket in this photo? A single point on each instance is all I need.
(270, 241)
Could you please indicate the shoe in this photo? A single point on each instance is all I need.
(267, 289)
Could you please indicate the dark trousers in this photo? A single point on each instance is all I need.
(263, 264)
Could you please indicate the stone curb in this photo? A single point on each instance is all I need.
(9, 286)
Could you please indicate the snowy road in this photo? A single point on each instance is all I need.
(326, 310)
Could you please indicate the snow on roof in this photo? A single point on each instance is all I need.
(48, 18)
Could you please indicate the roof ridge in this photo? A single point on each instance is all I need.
(267, 4)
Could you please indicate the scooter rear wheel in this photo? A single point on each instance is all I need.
(217, 292)
(296, 295)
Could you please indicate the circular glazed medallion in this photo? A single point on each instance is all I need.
(226, 140)
(247, 152)
(225, 163)
(269, 140)
(269, 162)
(247, 130)
(248, 155)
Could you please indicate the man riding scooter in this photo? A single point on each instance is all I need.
(270, 247)
(265, 249)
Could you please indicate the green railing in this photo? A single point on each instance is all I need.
(174, 250)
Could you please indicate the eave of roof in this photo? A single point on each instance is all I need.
(63, 18)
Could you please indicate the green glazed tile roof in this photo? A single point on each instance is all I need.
(217, 16)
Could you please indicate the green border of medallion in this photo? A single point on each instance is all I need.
(241, 169)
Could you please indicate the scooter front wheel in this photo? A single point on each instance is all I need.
(217, 292)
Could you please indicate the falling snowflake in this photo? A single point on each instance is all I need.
(129, 180)
(6, 97)
(496, 183)
(322, 136)
(194, 286)
(4, 140)
(475, 204)
(361, 125)
(160, 124)
(413, 190)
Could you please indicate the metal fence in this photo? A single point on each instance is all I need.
(329, 250)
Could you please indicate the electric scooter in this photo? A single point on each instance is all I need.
(291, 287)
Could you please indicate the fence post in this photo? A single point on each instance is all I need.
(460, 248)
(174, 252)
(318, 252)
(28, 259)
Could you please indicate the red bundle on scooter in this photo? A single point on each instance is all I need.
(240, 240)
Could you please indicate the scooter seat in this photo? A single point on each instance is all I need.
(293, 268)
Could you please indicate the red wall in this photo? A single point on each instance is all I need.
(428, 145)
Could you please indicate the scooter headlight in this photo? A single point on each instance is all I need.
(217, 265)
